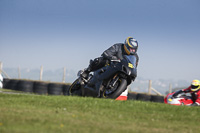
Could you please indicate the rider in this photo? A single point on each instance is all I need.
(115, 52)
(194, 89)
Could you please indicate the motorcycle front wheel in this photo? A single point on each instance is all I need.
(75, 88)
(119, 88)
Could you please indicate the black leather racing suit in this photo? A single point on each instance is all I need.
(115, 52)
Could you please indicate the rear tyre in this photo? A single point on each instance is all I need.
(120, 88)
(75, 88)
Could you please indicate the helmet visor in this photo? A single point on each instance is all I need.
(194, 86)
(133, 43)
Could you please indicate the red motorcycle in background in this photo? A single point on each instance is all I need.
(181, 99)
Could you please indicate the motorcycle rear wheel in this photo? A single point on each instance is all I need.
(75, 88)
(121, 88)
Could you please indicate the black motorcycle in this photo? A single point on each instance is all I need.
(107, 82)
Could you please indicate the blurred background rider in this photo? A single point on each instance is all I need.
(194, 89)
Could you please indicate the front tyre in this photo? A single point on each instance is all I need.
(121, 87)
(75, 88)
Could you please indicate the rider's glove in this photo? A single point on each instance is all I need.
(176, 94)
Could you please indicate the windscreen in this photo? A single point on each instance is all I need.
(131, 59)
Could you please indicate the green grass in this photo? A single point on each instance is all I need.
(21, 113)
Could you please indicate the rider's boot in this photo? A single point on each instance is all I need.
(93, 65)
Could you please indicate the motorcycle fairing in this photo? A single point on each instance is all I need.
(181, 100)
(127, 66)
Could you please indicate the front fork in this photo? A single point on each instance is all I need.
(114, 81)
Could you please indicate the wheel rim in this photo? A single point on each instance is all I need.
(107, 92)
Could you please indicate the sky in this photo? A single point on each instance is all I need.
(68, 33)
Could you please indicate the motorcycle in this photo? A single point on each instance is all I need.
(181, 99)
(107, 82)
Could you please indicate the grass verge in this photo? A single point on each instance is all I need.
(21, 113)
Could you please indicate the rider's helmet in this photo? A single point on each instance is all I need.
(130, 46)
(195, 85)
